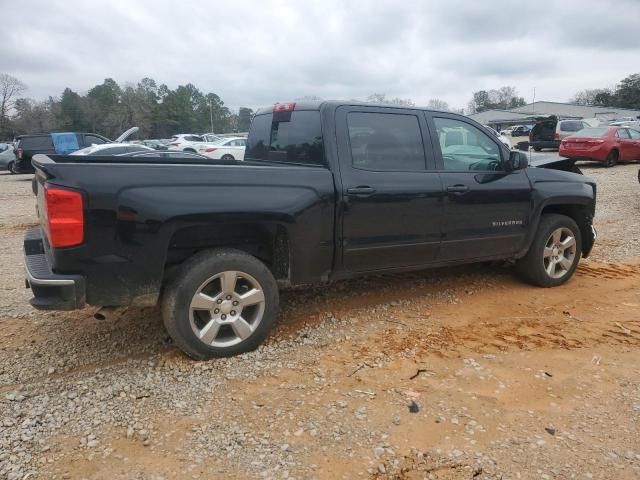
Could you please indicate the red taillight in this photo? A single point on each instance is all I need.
(64, 217)
(19, 153)
(556, 136)
(284, 107)
(174, 144)
(595, 142)
(210, 149)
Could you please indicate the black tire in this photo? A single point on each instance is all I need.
(611, 159)
(531, 267)
(190, 150)
(227, 157)
(195, 272)
(11, 167)
(537, 149)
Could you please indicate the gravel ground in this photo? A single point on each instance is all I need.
(424, 375)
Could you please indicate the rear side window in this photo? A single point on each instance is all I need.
(634, 134)
(43, 142)
(622, 133)
(93, 140)
(295, 138)
(385, 141)
(571, 126)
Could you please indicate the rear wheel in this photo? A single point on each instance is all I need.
(190, 150)
(537, 149)
(12, 167)
(222, 302)
(611, 159)
(554, 253)
(227, 157)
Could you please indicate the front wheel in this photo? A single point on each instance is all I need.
(221, 303)
(554, 253)
(12, 168)
(227, 158)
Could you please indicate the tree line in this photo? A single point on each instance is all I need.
(109, 109)
(625, 94)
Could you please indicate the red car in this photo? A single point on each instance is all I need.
(603, 144)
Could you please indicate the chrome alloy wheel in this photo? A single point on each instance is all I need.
(226, 309)
(559, 253)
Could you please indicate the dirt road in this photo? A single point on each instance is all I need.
(461, 373)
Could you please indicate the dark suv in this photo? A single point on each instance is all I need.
(26, 146)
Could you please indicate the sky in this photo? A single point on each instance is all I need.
(254, 53)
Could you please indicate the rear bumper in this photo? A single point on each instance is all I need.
(51, 291)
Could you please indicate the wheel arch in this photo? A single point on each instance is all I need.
(268, 242)
(581, 214)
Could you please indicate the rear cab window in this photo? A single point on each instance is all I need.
(287, 137)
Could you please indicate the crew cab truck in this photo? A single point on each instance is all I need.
(327, 191)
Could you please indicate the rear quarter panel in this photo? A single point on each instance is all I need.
(132, 212)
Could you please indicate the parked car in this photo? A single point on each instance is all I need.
(26, 146)
(166, 154)
(7, 156)
(190, 142)
(327, 191)
(225, 149)
(112, 149)
(609, 145)
(500, 136)
(520, 131)
(549, 132)
(155, 144)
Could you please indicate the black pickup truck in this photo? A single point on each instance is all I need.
(329, 190)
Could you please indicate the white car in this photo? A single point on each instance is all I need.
(231, 148)
(500, 136)
(187, 142)
(112, 149)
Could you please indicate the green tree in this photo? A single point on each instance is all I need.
(627, 93)
(244, 119)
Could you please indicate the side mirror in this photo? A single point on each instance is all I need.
(517, 161)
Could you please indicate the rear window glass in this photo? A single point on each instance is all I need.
(295, 138)
(593, 132)
(43, 142)
(571, 126)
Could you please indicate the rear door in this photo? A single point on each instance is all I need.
(392, 195)
(625, 144)
(635, 138)
(486, 209)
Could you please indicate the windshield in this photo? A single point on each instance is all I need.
(292, 137)
(592, 132)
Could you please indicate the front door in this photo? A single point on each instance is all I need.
(392, 197)
(486, 209)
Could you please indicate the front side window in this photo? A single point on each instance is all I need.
(385, 141)
(291, 137)
(465, 147)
